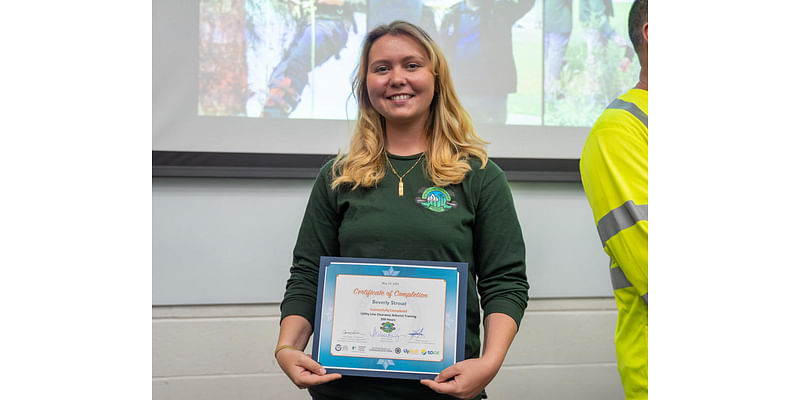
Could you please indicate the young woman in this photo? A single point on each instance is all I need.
(416, 184)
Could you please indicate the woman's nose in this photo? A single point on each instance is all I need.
(397, 77)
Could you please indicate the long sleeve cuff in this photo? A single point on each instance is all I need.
(505, 306)
(299, 307)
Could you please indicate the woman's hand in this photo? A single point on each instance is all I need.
(464, 379)
(302, 369)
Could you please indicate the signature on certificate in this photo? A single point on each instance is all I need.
(416, 333)
(378, 333)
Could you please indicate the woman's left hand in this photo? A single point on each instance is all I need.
(464, 379)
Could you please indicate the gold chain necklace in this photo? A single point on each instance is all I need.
(400, 185)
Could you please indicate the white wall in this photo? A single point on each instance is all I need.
(230, 241)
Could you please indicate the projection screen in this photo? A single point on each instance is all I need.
(238, 78)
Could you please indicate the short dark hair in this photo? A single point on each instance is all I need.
(636, 20)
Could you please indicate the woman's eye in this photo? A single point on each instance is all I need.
(381, 68)
(413, 66)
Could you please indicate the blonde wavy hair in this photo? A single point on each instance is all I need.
(450, 133)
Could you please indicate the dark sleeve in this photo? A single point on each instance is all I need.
(499, 248)
(318, 236)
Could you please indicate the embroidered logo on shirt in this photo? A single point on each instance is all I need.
(436, 199)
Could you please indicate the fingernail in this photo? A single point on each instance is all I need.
(322, 371)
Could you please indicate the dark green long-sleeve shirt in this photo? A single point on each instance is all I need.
(473, 222)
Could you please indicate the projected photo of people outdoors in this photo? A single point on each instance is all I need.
(514, 62)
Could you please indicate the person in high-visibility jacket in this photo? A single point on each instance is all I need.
(614, 174)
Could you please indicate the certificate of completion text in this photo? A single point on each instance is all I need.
(388, 317)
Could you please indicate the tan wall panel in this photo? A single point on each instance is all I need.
(564, 350)
(567, 382)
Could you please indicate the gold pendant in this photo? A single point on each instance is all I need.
(400, 188)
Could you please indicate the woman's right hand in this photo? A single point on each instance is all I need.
(302, 369)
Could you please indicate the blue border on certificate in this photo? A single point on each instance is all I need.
(453, 273)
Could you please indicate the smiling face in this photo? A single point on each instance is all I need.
(400, 79)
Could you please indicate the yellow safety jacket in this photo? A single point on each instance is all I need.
(614, 174)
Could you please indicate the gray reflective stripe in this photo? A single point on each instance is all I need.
(631, 108)
(618, 279)
(622, 217)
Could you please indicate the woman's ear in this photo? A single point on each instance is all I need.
(644, 31)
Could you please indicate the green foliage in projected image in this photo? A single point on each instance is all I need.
(586, 89)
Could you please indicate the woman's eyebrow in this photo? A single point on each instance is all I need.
(404, 59)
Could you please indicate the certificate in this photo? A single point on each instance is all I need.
(389, 318)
